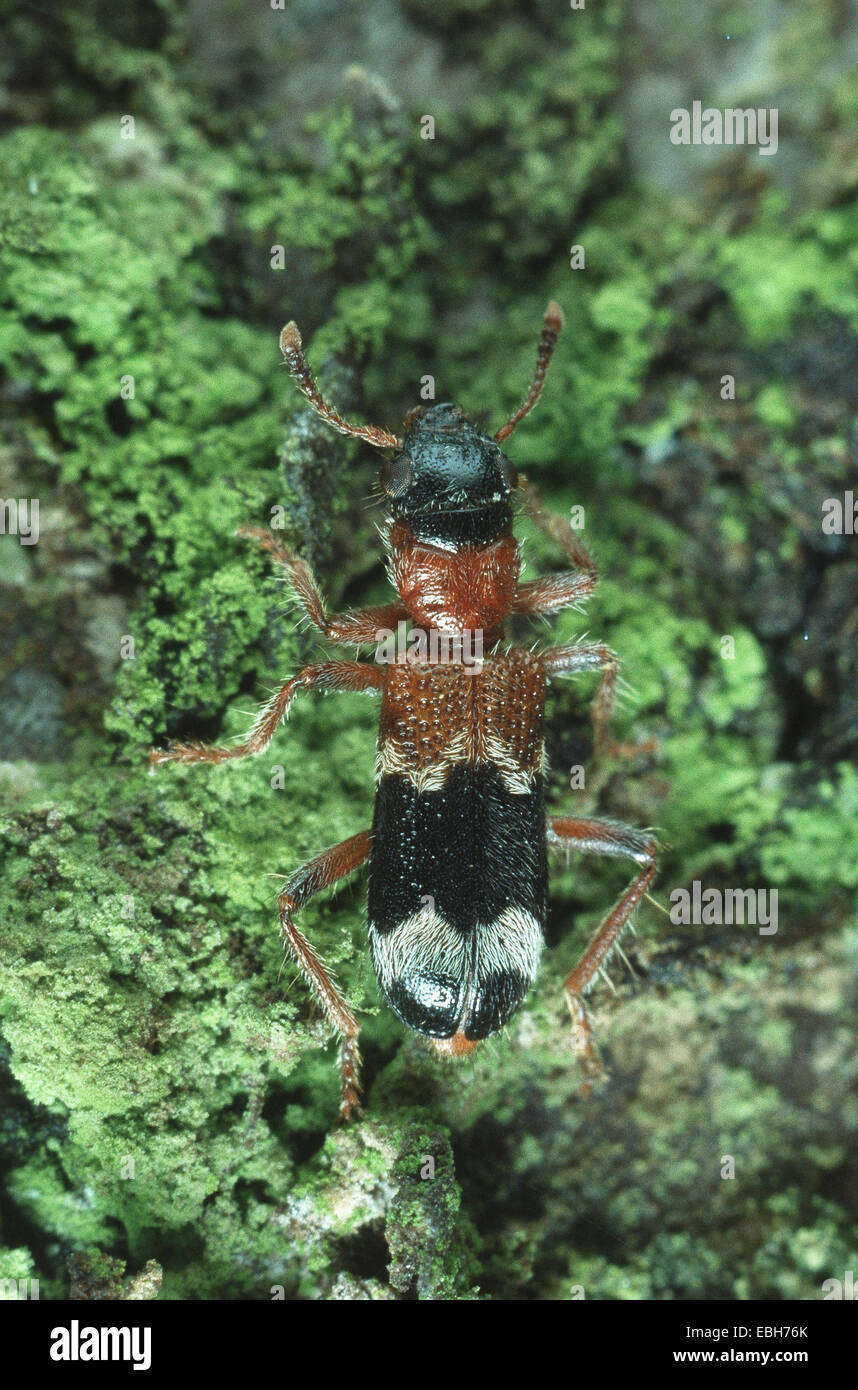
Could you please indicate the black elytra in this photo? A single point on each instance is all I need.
(474, 850)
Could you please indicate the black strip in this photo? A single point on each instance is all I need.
(474, 847)
(457, 530)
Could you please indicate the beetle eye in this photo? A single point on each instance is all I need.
(509, 472)
(397, 474)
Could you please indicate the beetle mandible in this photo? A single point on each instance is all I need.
(458, 846)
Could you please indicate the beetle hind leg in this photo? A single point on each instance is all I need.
(610, 838)
(322, 872)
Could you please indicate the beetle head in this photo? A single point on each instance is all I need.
(449, 479)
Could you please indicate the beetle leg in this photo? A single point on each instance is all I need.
(608, 838)
(562, 591)
(322, 872)
(327, 676)
(557, 528)
(540, 596)
(358, 627)
(579, 657)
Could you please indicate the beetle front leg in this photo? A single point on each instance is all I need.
(563, 591)
(606, 838)
(538, 597)
(556, 591)
(358, 628)
(322, 872)
(326, 676)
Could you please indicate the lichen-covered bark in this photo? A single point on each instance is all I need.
(167, 1088)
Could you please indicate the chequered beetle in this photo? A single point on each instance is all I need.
(458, 847)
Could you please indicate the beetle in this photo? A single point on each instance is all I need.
(458, 846)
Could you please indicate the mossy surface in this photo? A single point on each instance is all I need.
(168, 1090)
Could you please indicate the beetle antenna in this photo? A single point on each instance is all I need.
(293, 351)
(551, 326)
